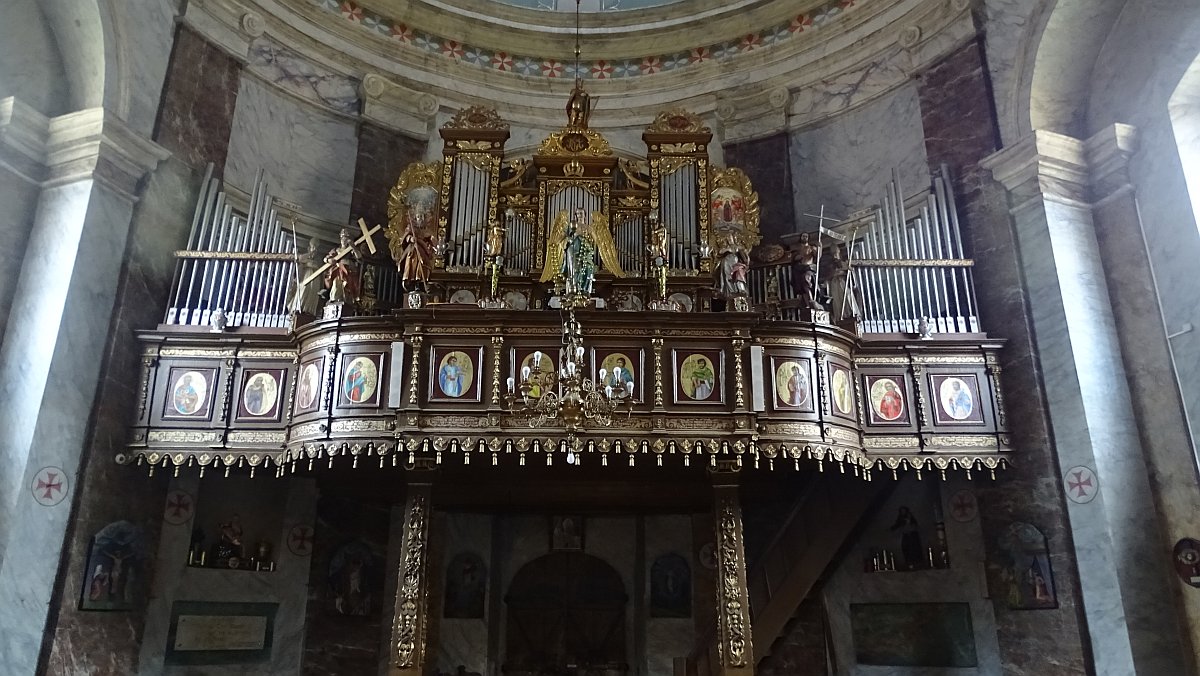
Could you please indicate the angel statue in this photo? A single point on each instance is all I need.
(571, 251)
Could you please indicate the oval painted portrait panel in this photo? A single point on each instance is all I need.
(261, 393)
(456, 372)
(887, 399)
(843, 400)
(189, 393)
(955, 398)
(791, 384)
(697, 377)
(306, 393)
(361, 380)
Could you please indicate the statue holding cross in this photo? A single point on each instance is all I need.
(343, 268)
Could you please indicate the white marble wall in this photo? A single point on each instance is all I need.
(31, 68)
(287, 586)
(667, 638)
(308, 154)
(963, 582)
(300, 77)
(846, 162)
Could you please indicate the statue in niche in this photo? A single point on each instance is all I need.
(571, 251)
(344, 277)
(304, 298)
(910, 538)
(733, 264)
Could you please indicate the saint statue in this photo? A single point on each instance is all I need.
(804, 273)
(571, 251)
(416, 258)
(495, 240)
(733, 264)
(579, 107)
(344, 276)
(303, 298)
(657, 248)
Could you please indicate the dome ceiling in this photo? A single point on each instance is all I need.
(587, 5)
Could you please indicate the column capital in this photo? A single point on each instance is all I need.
(1049, 165)
(23, 133)
(96, 143)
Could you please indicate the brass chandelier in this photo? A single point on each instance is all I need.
(572, 399)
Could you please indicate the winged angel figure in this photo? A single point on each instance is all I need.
(571, 251)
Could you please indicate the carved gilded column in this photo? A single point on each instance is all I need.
(410, 624)
(734, 646)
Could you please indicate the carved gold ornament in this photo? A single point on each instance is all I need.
(580, 142)
(728, 188)
(678, 121)
(477, 117)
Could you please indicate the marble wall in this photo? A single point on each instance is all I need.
(960, 131)
(845, 163)
(201, 89)
(767, 163)
(308, 154)
(286, 586)
(31, 68)
(382, 155)
(337, 642)
(962, 582)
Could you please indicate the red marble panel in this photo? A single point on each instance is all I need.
(199, 95)
(960, 130)
(767, 163)
(382, 155)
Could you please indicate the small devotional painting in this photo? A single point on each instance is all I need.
(455, 374)
(957, 399)
(728, 209)
(621, 368)
(189, 394)
(841, 391)
(699, 377)
(260, 398)
(566, 533)
(466, 587)
(793, 389)
(308, 385)
(359, 384)
(1025, 568)
(114, 576)
(886, 394)
(670, 587)
(541, 368)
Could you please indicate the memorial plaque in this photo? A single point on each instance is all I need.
(221, 632)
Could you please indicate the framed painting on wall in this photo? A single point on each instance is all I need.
(841, 391)
(260, 397)
(887, 399)
(359, 384)
(699, 376)
(791, 384)
(308, 385)
(957, 399)
(455, 374)
(542, 371)
(622, 367)
(190, 393)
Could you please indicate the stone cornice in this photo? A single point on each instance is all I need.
(1049, 165)
(97, 144)
(23, 133)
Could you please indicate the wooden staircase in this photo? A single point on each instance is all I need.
(820, 523)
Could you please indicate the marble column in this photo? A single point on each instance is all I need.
(735, 652)
(22, 147)
(960, 132)
(1123, 569)
(50, 359)
(408, 649)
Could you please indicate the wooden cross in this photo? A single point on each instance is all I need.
(366, 237)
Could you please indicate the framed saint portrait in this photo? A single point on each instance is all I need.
(543, 371)
(888, 400)
(622, 367)
(699, 376)
(360, 380)
(190, 393)
(566, 533)
(308, 386)
(957, 399)
(260, 398)
(455, 374)
(791, 384)
(841, 391)
(115, 574)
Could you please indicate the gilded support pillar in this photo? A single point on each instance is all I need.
(735, 652)
(410, 624)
